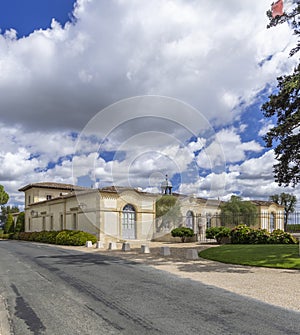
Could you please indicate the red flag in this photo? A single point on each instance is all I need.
(277, 8)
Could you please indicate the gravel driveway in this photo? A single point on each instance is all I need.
(280, 287)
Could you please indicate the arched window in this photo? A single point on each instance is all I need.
(272, 222)
(128, 222)
(208, 221)
(189, 222)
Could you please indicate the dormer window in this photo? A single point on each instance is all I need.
(48, 197)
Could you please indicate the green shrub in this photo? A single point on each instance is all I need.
(218, 233)
(66, 237)
(45, 237)
(42, 237)
(34, 236)
(3, 235)
(25, 236)
(63, 238)
(241, 234)
(52, 237)
(182, 232)
(14, 236)
(258, 236)
(74, 237)
(245, 235)
(280, 237)
(211, 232)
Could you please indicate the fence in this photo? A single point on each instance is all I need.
(293, 223)
(199, 223)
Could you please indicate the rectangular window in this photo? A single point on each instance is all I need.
(61, 222)
(208, 222)
(48, 197)
(29, 200)
(44, 223)
(74, 225)
(51, 223)
(29, 225)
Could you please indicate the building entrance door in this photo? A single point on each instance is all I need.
(128, 223)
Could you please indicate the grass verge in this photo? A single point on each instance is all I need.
(285, 256)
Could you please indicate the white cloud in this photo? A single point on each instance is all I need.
(257, 168)
(226, 147)
(15, 164)
(267, 125)
(255, 178)
(197, 145)
(204, 53)
(252, 179)
(10, 34)
(215, 56)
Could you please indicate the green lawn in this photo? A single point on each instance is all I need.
(269, 255)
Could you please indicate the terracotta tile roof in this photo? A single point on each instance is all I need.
(60, 186)
(117, 189)
(113, 189)
(264, 203)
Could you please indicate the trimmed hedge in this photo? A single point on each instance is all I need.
(2, 235)
(219, 233)
(182, 232)
(65, 237)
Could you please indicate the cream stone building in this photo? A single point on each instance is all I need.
(121, 214)
(196, 213)
(108, 213)
(271, 215)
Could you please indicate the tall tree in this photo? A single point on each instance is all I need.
(5, 210)
(236, 211)
(168, 210)
(9, 224)
(4, 197)
(285, 106)
(20, 224)
(288, 201)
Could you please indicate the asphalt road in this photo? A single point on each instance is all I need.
(54, 291)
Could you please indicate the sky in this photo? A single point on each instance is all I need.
(99, 93)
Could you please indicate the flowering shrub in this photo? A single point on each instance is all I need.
(259, 236)
(280, 237)
(241, 234)
(245, 235)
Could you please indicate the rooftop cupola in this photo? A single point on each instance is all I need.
(166, 186)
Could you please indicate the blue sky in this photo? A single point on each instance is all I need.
(27, 16)
(95, 92)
